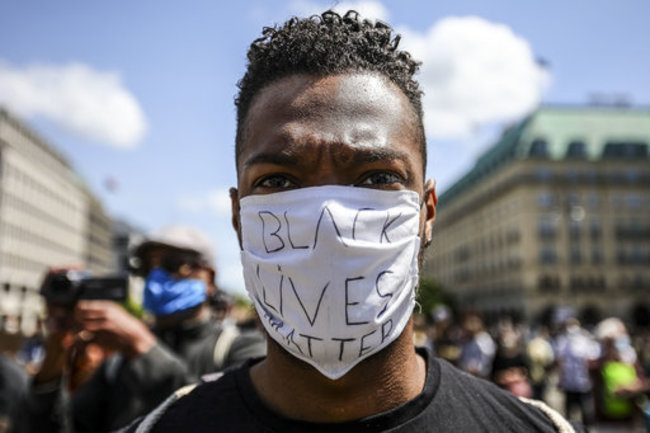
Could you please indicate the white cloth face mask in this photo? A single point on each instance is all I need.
(332, 270)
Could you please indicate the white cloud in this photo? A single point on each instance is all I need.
(368, 9)
(94, 104)
(217, 202)
(474, 72)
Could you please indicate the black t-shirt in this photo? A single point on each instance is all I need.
(451, 401)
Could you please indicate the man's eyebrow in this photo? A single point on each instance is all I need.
(278, 158)
(374, 155)
(359, 156)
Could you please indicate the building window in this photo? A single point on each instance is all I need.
(637, 256)
(633, 201)
(577, 284)
(574, 230)
(625, 150)
(595, 230)
(547, 228)
(573, 199)
(513, 235)
(539, 148)
(593, 201)
(576, 149)
(596, 256)
(548, 283)
(546, 200)
(596, 284)
(548, 256)
(576, 256)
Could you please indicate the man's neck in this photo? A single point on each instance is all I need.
(296, 390)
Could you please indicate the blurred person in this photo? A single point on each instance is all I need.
(421, 331)
(201, 333)
(32, 350)
(540, 359)
(621, 376)
(577, 353)
(446, 335)
(332, 212)
(510, 366)
(13, 386)
(477, 348)
(220, 306)
(124, 369)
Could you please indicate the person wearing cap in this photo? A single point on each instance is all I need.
(147, 364)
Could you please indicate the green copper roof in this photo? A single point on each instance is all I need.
(557, 133)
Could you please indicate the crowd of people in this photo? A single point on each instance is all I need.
(596, 374)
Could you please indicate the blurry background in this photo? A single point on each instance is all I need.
(118, 118)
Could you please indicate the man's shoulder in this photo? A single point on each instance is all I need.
(216, 402)
(472, 401)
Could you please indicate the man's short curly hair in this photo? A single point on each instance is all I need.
(327, 44)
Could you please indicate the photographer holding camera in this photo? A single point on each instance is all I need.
(105, 367)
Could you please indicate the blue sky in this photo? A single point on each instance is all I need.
(142, 92)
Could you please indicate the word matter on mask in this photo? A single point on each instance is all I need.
(332, 270)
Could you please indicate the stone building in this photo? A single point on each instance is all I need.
(48, 217)
(556, 213)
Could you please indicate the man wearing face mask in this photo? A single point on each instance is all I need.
(146, 365)
(332, 211)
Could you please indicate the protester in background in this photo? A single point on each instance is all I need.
(446, 335)
(478, 347)
(621, 376)
(13, 385)
(220, 305)
(510, 366)
(577, 352)
(540, 359)
(144, 366)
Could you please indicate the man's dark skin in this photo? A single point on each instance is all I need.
(351, 129)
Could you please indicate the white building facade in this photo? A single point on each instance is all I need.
(44, 219)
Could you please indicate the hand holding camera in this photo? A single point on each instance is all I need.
(113, 328)
(83, 315)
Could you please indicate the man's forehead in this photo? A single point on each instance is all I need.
(305, 91)
(348, 97)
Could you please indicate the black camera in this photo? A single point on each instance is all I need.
(66, 287)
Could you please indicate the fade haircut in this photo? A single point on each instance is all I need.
(327, 44)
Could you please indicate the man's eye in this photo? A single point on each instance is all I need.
(276, 182)
(382, 178)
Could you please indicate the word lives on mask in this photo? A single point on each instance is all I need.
(332, 270)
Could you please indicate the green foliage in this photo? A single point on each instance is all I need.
(431, 294)
(133, 307)
(241, 301)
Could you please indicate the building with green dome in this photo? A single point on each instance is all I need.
(556, 213)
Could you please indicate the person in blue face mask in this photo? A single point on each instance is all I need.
(147, 364)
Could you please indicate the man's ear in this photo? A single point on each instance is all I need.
(430, 203)
(236, 220)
